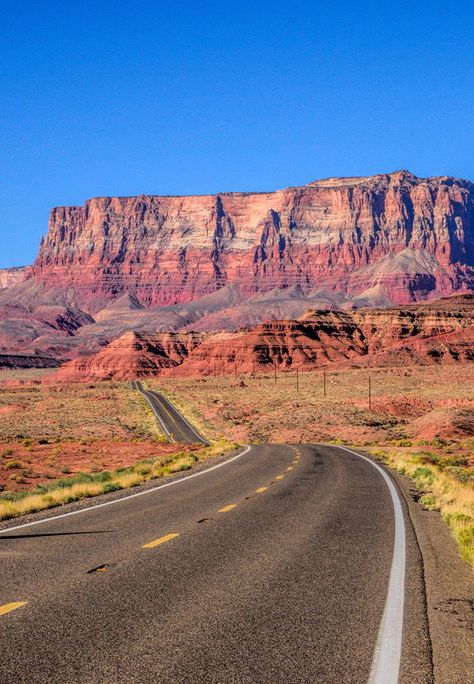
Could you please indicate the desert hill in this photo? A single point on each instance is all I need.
(429, 333)
(132, 355)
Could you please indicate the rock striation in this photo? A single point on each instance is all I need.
(219, 262)
(131, 356)
(9, 277)
(390, 238)
(428, 333)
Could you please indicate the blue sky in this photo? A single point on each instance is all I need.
(122, 98)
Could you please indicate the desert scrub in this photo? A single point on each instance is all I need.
(442, 489)
(84, 485)
(108, 410)
(13, 464)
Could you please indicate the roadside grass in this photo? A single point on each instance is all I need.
(446, 484)
(85, 485)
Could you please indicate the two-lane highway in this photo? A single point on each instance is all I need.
(274, 566)
(176, 427)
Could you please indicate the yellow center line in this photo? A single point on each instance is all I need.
(261, 489)
(8, 607)
(163, 406)
(227, 508)
(279, 477)
(295, 461)
(290, 468)
(161, 540)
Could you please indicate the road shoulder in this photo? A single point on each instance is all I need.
(449, 592)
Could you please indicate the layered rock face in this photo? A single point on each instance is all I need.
(435, 332)
(328, 337)
(9, 277)
(130, 356)
(24, 361)
(390, 238)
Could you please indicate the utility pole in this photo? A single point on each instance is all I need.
(253, 365)
(324, 383)
(235, 368)
(297, 381)
(275, 368)
(370, 393)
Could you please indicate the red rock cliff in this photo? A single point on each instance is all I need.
(395, 235)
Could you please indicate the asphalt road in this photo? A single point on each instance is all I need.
(175, 426)
(272, 567)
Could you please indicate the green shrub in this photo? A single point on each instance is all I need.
(110, 487)
(425, 474)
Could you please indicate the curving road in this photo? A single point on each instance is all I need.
(270, 566)
(175, 425)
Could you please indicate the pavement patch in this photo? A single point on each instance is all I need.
(100, 568)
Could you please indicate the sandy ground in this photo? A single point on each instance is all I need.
(419, 403)
(48, 432)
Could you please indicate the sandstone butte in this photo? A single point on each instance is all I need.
(391, 237)
(430, 333)
(151, 264)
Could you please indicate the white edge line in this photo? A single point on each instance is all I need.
(155, 412)
(130, 496)
(160, 395)
(387, 655)
(157, 415)
(200, 437)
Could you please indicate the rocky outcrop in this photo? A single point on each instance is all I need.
(435, 332)
(23, 361)
(9, 277)
(130, 356)
(329, 337)
(388, 238)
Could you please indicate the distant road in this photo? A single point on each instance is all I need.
(176, 427)
(274, 566)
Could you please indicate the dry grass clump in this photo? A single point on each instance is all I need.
(84, 485)
(444, 487)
